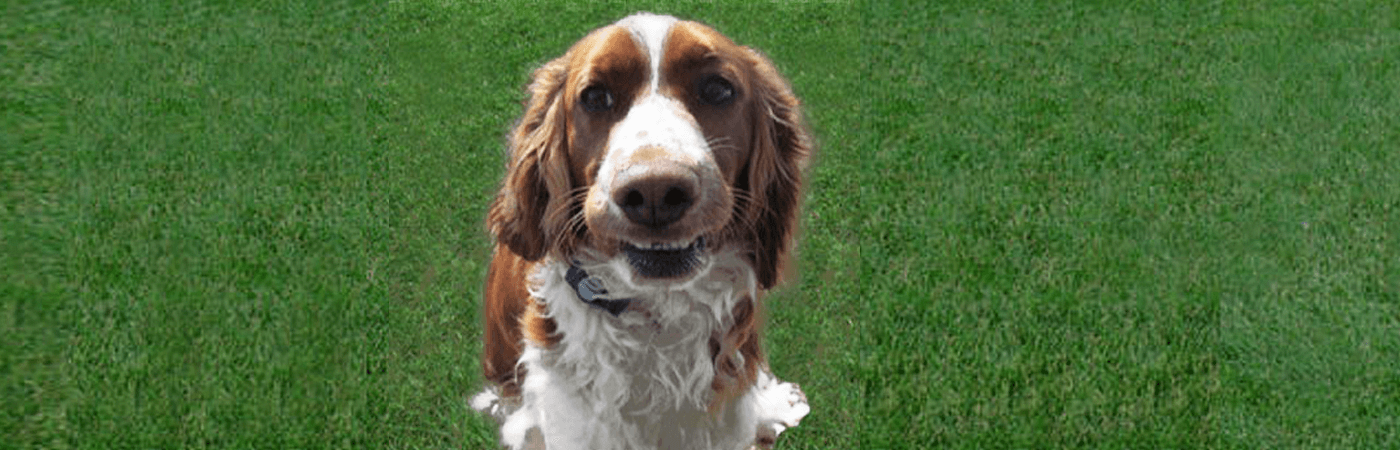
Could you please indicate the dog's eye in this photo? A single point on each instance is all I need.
(596, 99)
(715, 90)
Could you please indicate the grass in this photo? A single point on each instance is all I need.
(1042, 202)
(1030, 225)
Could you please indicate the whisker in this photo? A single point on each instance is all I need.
(747, 224)
(577, 193)
(720, 142)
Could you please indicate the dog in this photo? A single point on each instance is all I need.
(650, 200)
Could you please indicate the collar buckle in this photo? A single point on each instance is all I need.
(590, 290)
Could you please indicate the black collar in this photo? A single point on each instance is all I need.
(589, 289)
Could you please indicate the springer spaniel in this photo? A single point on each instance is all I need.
(650, 199)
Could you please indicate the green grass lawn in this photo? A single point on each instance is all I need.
(1030, 224)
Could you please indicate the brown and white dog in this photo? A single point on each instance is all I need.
(650, 199)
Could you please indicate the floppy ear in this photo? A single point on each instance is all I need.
(535, 167)
(779, 155)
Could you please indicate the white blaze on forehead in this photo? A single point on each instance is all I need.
(650, 31)
(654, 120)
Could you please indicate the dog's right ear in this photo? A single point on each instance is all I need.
(535, 164)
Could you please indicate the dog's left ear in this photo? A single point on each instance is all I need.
(781, 148)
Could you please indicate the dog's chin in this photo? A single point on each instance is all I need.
(665, 262)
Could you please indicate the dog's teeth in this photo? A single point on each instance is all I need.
(667, 246)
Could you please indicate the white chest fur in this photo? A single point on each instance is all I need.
(642, 379)
(638, 380)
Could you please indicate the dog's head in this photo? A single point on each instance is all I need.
(651, 144)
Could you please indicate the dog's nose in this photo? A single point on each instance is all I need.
(655, 195)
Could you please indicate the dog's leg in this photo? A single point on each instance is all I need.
(779, 405)
(490, 402)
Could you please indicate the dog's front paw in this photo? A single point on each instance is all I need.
(490, 402)
(781, 405)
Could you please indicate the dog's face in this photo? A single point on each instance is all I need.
(650, 145)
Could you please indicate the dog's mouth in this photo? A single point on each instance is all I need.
(665, 260)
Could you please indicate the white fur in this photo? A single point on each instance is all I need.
(650, 31)
(655, 121)
(640, 380)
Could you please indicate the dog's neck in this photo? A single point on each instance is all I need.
(654, 355)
